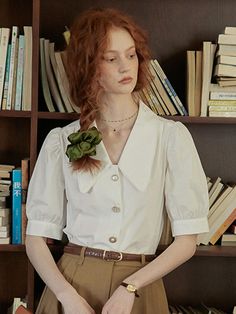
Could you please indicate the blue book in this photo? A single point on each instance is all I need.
(16, 206)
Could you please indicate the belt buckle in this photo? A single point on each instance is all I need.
(112, 259)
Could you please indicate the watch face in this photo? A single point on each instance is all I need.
(131, 288)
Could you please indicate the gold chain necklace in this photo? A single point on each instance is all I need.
(121, 120)
(119, 123)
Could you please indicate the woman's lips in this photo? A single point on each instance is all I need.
(126, 80)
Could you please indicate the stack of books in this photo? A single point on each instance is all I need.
(15, 68)
(54, 80)
(4, 221)
(13, 219)
(211, 77)
(194, 309)
(222, 210)
(160, 95)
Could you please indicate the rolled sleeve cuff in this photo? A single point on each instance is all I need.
(190, 226)
(44, 229)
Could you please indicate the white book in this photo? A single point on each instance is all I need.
(5, 34)
(5, 228)
(215, 194)
(19, 74)
(214, 186)
(50, 77)
(222, 114)
(223, 95)
(14, 35)
(27, 70)
(4, 234)
(230, 30)
(208, 57)
(5, 240)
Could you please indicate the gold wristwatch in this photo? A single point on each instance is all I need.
(130, 288)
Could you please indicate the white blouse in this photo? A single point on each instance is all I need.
(121, 207)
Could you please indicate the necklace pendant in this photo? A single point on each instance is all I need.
(114, 130)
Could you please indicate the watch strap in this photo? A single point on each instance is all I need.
(130, 288)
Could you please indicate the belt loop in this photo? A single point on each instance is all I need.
(82, 254)
(143, 259)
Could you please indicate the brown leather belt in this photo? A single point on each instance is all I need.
(106, 255)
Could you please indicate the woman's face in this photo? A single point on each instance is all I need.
(119, 64)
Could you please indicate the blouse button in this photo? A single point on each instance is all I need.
(113, 239)
(116, 209)
(114, 177)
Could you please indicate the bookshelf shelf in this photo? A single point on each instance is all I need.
(58, 115)
(178, 25)
(15, 114)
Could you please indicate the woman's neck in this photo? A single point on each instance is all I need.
(117, 107)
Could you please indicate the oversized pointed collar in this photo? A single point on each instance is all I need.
(137, 157)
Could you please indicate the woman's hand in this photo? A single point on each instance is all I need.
(121, 302)
(73, 303)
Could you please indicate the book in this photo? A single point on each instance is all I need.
(162, 91)
(229, 237)
(65, 83)
(207, 63)
(217, 88)
(4, 39)
(226, 50)
(5, 240)
(51, 80)
(198, 83)
(14, 35)
(16, 206)
(214, 186)
(19, 75)
(220, 103)
(223, 227)
(225, 70)
(5, 88)
(27, 69)
(230, 30)
(226, 39)
(229, 114)
(231, 60)
(223, 95)
(215, 194)
(169, 88)
(44, 80)
(222, 108)
(25, 183)
(191, 79)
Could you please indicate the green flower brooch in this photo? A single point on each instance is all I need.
(83, 143)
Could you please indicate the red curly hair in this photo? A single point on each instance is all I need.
(88, 41)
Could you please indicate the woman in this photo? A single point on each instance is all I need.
(107, 184)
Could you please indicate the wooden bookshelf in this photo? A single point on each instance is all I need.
(174, 27)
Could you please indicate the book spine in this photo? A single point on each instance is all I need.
(170, 90)
(222, 108)
(222, 96)
(12, 66)
(222, 114)
(19, 77)
(16, 206)
(5, 89)
(223, 227)
(5, 33)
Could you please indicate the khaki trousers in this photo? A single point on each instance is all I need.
(96, 280)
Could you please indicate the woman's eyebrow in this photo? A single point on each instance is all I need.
(107, 51)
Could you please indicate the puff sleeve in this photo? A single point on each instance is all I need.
(46, 200)
(186, 193)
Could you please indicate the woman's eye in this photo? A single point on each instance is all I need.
(132, 55)
(110, 59)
